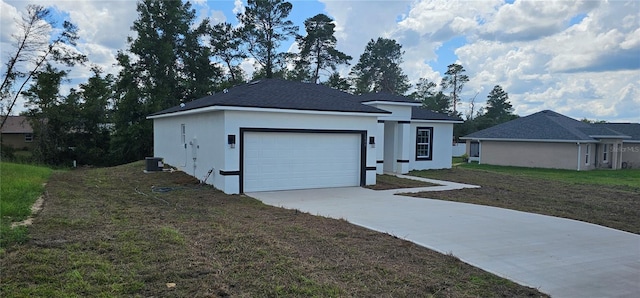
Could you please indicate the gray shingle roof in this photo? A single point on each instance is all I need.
(420, 113)
(630, 129)
(16, 124)
(280, 94)
(545, 125)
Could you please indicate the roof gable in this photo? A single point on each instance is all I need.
(421, 113)
(280, 94)
(386, 96)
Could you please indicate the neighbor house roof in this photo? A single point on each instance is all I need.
(546, 126)
(16, 124)
(630, 129)
(280, 94)
(420, 113)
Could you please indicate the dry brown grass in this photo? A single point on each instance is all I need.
(385, 182)
(119, 232)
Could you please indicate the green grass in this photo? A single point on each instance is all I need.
(20, 187)
(623, 177)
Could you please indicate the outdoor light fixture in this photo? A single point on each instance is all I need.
(231, 140)
(372, 142)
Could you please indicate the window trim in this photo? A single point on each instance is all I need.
(430, 143)
(183, 133)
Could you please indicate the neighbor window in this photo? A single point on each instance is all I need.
(183, 134)
(605, 153)
(424, 141)
(587, 151)
(28, 137)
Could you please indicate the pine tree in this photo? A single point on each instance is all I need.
(378, 68)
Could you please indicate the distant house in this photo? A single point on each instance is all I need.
(551, 140)
(17, 133)
(278, 135)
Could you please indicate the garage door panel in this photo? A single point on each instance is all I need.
(283, 160)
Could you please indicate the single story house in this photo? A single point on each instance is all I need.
(17, 132)
(551, 140)
(274, 134)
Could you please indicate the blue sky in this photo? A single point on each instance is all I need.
(579, 58)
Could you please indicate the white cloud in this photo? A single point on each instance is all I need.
(238, 7)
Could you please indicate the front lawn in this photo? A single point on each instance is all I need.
(603, 197)
(119, 232)
(625, 177)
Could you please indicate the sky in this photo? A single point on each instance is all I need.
(579, 58)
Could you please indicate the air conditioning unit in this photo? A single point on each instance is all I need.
(154, 164)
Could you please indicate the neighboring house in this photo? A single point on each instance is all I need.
(17, 133)
(550, 140)
(276, 135)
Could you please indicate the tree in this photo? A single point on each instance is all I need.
(498, 107)
(34, 47)
(50, 115)
(92, 132)
(225, 43)
(318, 47)
(432, 100)
(335, 81)
(264, 26)
(454, 79)
(378, 68)
(166, 63)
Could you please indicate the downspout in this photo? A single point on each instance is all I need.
(579, 155)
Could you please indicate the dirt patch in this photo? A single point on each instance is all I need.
(109, 232)
(616, 207)
(386, 182)
(35, 208)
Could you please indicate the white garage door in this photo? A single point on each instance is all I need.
(285, 160)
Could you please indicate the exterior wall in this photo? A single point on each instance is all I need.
(630, 155)
(536, 155)
(204, 141)
(442, 146)
(210, 131)
(16, 140)
(380, 143)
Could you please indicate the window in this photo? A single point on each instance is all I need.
(183, 134)
(605, 153)
(28, 138)
(424, 141)
(587, 151)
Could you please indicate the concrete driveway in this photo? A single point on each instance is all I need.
(560, 257)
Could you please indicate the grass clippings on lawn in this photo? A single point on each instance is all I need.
(119, 232)
(386, 182)
(614, 206)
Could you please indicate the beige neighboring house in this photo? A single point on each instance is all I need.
(17, 133)
(551, 140)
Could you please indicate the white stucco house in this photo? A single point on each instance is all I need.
(274, 134)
